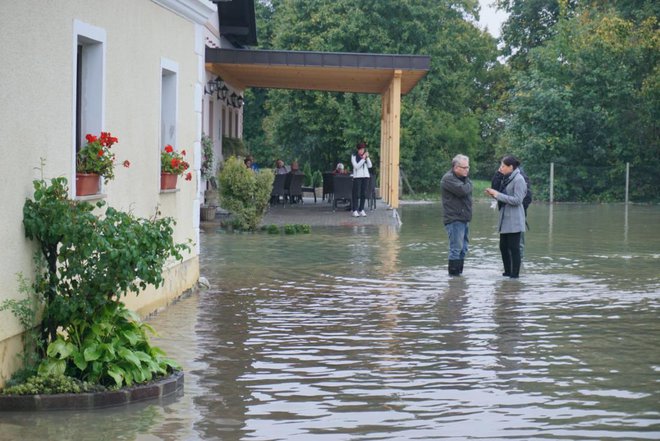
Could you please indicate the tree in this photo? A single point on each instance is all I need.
(444, 115)
(589, 101)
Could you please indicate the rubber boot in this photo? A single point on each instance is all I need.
(460, 266)
(454, 267)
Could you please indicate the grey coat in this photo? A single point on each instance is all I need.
(512, 214)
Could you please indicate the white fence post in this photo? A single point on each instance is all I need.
(552, 182)
(627, 180)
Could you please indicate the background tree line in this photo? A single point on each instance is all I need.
(579, 86)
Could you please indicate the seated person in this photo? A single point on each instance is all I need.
(295, 168)
(248, 161)
(339, 170)
(280, 168)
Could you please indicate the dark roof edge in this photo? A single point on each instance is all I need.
(318, 59)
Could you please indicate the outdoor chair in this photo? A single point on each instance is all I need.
(371, 193)
(294, 191)
(327, 186)
(278, 190)
(342, 189)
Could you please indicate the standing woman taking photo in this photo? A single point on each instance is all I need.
(512, 214)
(361, 165)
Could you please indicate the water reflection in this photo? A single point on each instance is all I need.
(358, 333)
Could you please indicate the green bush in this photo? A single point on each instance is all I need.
(90, 260)
(113, 350)
(52, 384)
(233, 147)
(245, 193)
(307, 170)
(273, 229)
(289, 229)
(84, 265)
(317, 179)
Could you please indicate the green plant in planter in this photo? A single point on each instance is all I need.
(91, 260)
(52, 384)
(112, 351)
(206, 169)
(245, 193)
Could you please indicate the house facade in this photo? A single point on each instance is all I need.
(134, 68)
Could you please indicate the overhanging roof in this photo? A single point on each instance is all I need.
(328, 71)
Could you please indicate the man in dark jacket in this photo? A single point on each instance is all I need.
(456, 189)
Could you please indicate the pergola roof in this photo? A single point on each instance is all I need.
(328, 71)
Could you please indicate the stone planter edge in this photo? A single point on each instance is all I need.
(94, 400)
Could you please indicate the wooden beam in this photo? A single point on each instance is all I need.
(395, 124)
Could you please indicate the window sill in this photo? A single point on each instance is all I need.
(91, 197)
(173, 190)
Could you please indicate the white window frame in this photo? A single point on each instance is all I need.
(169, 103)
(92, 106)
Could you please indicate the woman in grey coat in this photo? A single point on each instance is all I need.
(512, 214)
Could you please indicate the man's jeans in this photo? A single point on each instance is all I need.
(458, 239)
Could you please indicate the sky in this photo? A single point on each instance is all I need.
(491, 18)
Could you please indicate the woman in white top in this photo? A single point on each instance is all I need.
(361, 165)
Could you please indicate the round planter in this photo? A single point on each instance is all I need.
(87, 184)
(160, 388)
(208, 213)
(168, 181)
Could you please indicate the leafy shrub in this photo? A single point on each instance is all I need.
(113, 350)
(233, 147)
(301, 228)
(307, 170)
(245, 193)
(289, 229)
(273, 229)
(52, 384)
(317, 179)
(27, 313)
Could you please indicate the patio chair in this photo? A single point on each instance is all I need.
(278, 189)
(327, 186)
(371, 193)
(342, 189)
(294, 192)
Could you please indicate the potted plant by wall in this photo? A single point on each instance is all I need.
(209, 207)
(94, 160)
(172, 164)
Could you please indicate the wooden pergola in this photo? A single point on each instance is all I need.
(388, 75)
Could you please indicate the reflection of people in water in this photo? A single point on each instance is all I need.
(509, 329)
(450, 310)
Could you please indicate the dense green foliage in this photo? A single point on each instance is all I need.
(86, 262)
(113, 350)
(90, 259)
(52, 384)
(26, 311)
(588, 100)
(579, 87)
(444, 115)
(245, 193)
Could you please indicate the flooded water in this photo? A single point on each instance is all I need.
(357, 333)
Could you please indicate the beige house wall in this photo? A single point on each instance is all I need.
(37, 63)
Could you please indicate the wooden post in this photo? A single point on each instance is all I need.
(395, 127)
(552, 182)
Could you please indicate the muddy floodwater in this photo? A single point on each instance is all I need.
(357, 333)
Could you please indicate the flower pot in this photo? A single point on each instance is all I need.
(87, 183)
(168, 181)
(208, 213)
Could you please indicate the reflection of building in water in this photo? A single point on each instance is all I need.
(224, 323)
(387, 258)
(388, 249)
